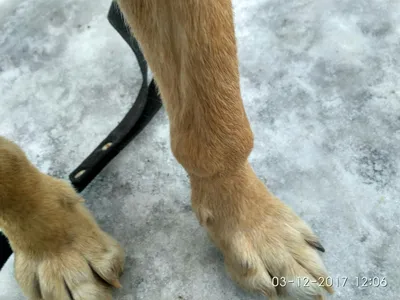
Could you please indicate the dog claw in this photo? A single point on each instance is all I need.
(115, 283)
(317, 245)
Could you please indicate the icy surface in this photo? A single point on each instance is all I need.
(320, 84)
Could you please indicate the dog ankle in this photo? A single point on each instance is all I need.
(39, 219)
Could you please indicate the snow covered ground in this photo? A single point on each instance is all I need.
(320, 84)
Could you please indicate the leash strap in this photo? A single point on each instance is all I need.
(143, 110)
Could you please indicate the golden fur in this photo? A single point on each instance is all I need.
(190, 47)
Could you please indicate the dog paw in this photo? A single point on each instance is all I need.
(267, 248)
(60, 251)
(86, 267)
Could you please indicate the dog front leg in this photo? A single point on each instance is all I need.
(190, 47)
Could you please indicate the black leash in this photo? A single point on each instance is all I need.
(142, 111)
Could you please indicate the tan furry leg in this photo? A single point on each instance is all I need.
(190, 47)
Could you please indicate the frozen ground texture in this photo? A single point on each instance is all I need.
(320, 84)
